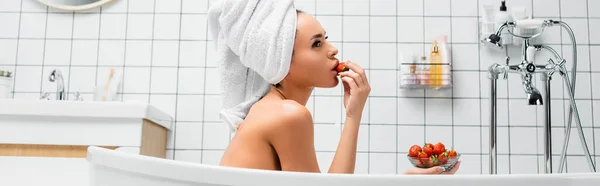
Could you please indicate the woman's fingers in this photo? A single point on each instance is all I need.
(359, 81)
(359, 70)
(350, 81)
(432, 170)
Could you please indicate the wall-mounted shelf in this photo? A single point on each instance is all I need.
(419, 76)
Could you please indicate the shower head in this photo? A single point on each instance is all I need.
(493, 40)
(534, 97)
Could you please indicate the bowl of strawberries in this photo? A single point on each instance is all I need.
(430, 155)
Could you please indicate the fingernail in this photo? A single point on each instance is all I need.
(441, 169)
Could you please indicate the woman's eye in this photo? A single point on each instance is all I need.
(326, 37)
(316, 44)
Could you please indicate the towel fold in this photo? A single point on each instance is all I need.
(254, 40)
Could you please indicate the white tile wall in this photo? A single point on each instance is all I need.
(168, 60)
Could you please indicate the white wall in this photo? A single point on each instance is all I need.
(164, 50)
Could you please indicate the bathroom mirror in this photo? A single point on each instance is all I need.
(75, 5)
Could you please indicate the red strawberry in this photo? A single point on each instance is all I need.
(428, 149)
(414, 151)
(443, 158)
(423, 155)
(439, 148)
(341, 67)
(428, 145)
(451, 153)
(423, 159)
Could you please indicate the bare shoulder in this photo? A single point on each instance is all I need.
(283, 116)
(291, 112)
(287, 127)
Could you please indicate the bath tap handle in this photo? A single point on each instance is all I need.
(530, 67)
(562, 62)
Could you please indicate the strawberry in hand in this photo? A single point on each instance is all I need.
(341, 67)
(428, 149)
(423, 159)
(443, 158)
(452, 153)
(414, 151)
(439, 148)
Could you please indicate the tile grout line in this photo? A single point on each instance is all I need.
(152, 54)
(70, 54)
(481, 119)
(15, 75)
(424, 91)
(98, 46)
(395, 85)
(204, 90)
(44, 52)
(174, 133)
(210, 67)
(124, 53)
(369, 97)
(324, 15)
(449, 66)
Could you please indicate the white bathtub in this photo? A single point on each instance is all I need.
(113, 168)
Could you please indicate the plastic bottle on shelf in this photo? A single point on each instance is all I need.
(435, 72)
(423, 71)
(446, 55)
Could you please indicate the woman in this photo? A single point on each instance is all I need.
(277, 132)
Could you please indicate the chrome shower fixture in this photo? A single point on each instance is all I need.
(533, 95)
(494, 41)
(532, 28)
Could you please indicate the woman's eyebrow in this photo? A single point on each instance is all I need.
(318, 35)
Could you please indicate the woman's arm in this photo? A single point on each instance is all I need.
(292, 137)
(345, 155)
(356, 92)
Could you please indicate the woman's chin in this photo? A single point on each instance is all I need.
(334, 83)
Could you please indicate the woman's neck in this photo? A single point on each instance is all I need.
(298, 94)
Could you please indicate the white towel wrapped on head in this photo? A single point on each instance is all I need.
(254, 40)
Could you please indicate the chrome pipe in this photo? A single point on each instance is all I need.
(550, 49)
(524, 46)
(493, 151)
(547, 127)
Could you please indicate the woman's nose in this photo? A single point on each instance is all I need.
(332, 52)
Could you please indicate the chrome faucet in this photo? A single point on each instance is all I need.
(533, 95)
(526, 69)
(56, 76)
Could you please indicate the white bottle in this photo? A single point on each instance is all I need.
(501, 17)
(423, 68)
(446, 59)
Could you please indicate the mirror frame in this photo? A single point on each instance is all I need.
(76, 8)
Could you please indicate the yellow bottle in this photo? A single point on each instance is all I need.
(435, 69)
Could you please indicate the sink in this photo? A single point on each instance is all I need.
(48, 139)
(87, 110)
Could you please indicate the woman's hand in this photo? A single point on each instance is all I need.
(356, 89)
(432, 170)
